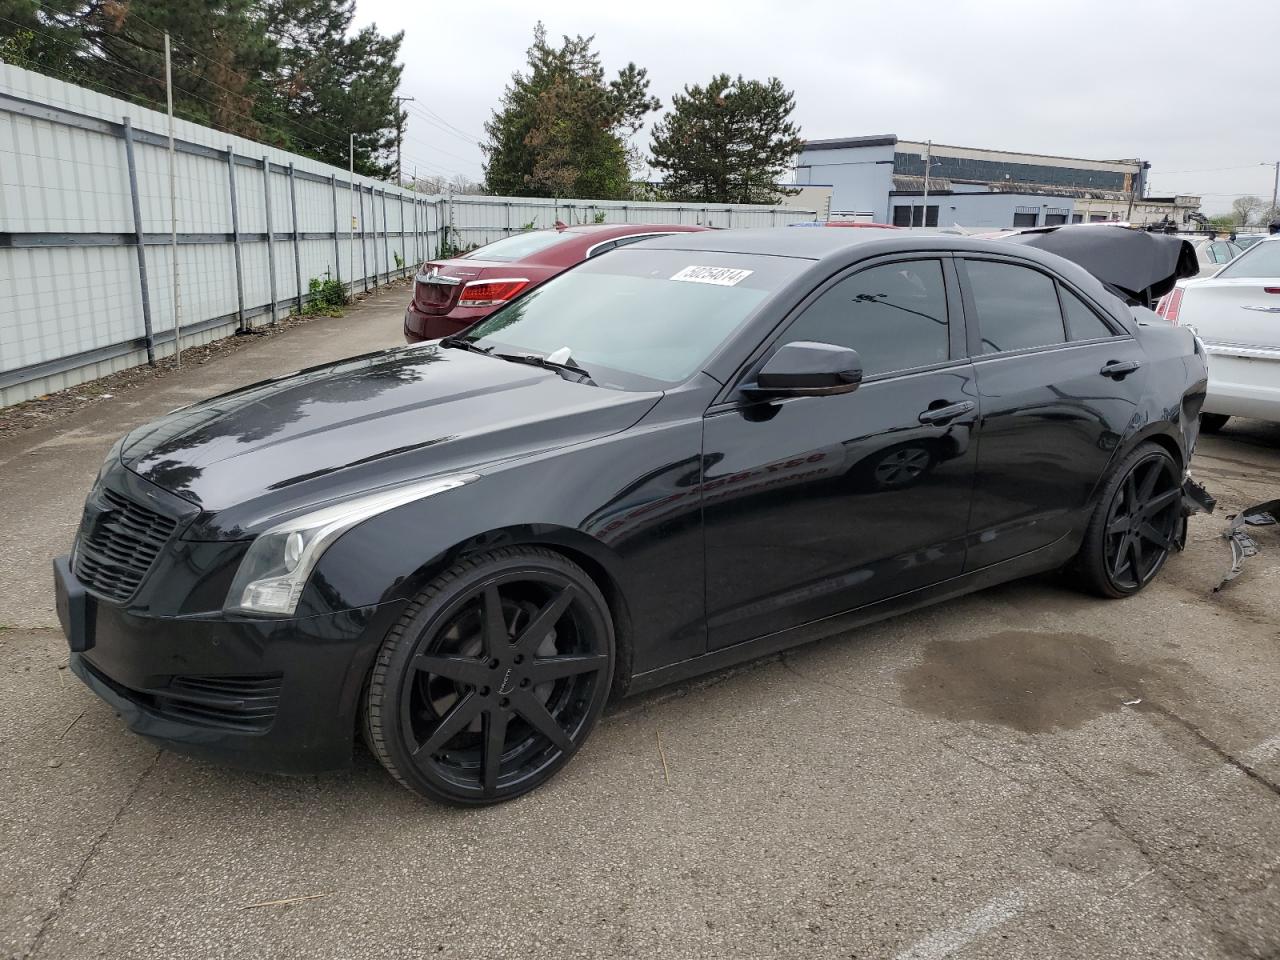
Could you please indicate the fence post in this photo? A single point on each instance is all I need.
(297, 242)
(373, 219)
(235, 238)
(271, 246)
(337, 250)
(774, 212)
(417, 232)
(507, 232)
(404, 247)
(386, 236)
(364, 245)
(139, 241)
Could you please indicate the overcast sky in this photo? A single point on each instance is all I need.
(1193, 87)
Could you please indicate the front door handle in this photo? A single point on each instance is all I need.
(1119, 369)
(949, 412)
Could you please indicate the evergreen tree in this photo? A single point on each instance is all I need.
(562, 129)
(727, 142)
(283, 72)
(330, 83)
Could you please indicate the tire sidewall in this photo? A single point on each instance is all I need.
(1094, 567)
(430, 611)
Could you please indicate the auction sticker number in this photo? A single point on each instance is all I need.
(720, 276)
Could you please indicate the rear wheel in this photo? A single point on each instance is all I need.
(493, 678)
(1134, 526)
(1213, 422)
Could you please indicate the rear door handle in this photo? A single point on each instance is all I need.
(949, 412)
(1119, 369)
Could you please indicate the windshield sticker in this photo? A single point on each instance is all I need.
(720, 276)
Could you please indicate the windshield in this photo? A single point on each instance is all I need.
(639, 319)
(1262, 260)
(517, 247)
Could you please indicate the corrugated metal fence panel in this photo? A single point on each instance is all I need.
(71, 304)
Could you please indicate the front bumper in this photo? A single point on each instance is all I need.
(279, 696)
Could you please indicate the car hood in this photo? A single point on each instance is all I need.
(366, 422)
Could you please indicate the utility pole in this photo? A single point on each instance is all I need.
(173, 211)
(924, 203)
(400, 131)
(1275, 188)
(351, 253)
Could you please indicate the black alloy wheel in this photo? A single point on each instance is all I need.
(493, 678)
(1135, 526)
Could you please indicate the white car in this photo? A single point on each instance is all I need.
(1213, 253)
(1236, 312)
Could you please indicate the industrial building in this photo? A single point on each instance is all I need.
(883, 179)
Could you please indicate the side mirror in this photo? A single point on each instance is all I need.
(805, 369)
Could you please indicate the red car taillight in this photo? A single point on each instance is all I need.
(1170, 304)
(490, 293)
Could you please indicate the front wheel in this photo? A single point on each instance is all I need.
(493, 678)
(1134, 526)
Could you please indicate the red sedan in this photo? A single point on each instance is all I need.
(450, 295)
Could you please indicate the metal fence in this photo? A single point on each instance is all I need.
(86, 281)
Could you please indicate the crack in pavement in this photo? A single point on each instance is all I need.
(1206, 741)
(65, 894)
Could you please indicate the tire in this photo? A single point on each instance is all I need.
(1134, 526)
(1213, 422)
(493, 678)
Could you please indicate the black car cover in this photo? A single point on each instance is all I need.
(1137, 266)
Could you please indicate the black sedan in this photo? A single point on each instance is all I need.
(672, 458)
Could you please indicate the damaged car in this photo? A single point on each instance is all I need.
(684, 454)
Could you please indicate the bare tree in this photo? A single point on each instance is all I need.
(457, 184)
(1244, 209)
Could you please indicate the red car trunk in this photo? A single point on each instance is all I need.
(451, 295)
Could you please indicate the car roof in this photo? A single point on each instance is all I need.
(605, 229)
(773, 241)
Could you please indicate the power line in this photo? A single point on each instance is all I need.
(433, 147)
(338, 141)
(433, 118)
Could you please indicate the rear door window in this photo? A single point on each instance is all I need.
(1017, 307)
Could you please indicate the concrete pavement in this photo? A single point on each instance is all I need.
(1026, 772)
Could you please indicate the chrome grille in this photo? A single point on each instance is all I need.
(119, 541)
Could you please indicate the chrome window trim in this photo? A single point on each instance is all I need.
(630, 236)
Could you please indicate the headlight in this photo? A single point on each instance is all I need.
(274, 571)
(110, 460)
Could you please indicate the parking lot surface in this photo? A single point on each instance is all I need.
(1025, 772)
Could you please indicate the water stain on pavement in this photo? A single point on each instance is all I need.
(1028, 681)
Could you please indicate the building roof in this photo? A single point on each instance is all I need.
(881, 140)
(919, 146)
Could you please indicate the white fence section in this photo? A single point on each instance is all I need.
(84, 186)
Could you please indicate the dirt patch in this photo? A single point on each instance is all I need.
(42, 411)
(1032, 682)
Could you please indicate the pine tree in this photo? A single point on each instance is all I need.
(562, 129)
(727, 142)
(330, 84)
(283, 72)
